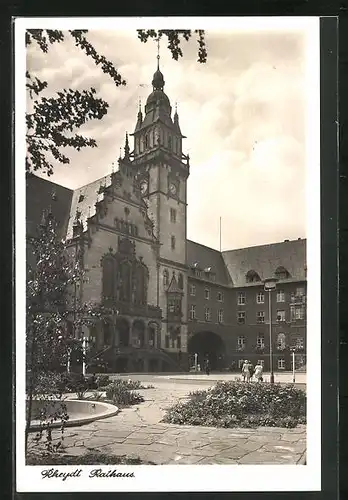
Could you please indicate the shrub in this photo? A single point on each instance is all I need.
(236, 404)
(103, 381)
(119, 393)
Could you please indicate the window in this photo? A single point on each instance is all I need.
(260, 298)
(241, 342)
(173, 343)
(297, 313)
(281, 364)
(282, 273)
(280, 296)
(220, 316)
(207, 293)
(261, 362)
(260, 316)
(146, 141)
(280, 316)
(281, 343)
(198, 273)
(166, 341)
(173, 242)
(169, 142)
(220, 296)
(81, 198)
(241, 318)
(192, 290)
(252, 277)
(172, 215)
(207, 314)
(260, 342)
(241, 298)
(299, 343)
(300, 291)
(171, 306)
(192, 311)
(165, 277)
(178, 342)
(240, 363)
(181, 281)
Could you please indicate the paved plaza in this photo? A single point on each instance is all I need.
(137, 431)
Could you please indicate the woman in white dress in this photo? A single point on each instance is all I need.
(258, 372)
(246, 371)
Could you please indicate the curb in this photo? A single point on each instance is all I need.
(77, 422)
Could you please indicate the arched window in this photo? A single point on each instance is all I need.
(181, 281)
(154, 138)
(108, 277)
(107, 334)
(125, 281)
(281, 273)
(165, 277)
(281, 341)
(252, 277)
(146, 141)
(169, 142)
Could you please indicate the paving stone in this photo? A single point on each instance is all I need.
(139, 440)
(267, 458)
(202, 452)
(218, 446)
(217, 461)
(112, 434)
(292, 437)
(187, 460)
(285, 447)
(161, 447)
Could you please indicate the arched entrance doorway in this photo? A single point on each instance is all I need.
(122, 326)
(207, 345)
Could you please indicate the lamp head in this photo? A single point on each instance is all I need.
(270, 284)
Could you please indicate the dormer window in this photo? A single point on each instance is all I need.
(282, 273)
(252, 277)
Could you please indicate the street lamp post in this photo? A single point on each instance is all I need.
(85, 341)
(293, 365)
(270, 285)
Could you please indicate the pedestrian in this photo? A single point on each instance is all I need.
(258, 374)
(246, 371)
(207, 367)
(251, 369)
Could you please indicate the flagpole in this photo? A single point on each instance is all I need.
(220, 234)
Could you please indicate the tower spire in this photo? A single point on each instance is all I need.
(126, 148)
(158, 52)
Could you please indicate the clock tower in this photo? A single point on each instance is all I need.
(162, 171)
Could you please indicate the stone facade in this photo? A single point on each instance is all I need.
(168, 297)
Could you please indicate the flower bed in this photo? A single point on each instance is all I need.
(237, 404)
(119, 393)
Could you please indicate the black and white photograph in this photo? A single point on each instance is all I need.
(168, 254)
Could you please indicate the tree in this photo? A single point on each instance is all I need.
(53, 122)
(52, 275)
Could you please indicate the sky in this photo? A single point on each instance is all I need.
(243, 113)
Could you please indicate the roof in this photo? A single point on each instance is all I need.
(265, 259)
(84, 200)
(42, 194)
(206, 257)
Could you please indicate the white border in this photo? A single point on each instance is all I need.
(185, 477)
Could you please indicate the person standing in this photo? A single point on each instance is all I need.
(258, 372)
(207, 367)
(246, 371)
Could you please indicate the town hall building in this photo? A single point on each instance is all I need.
(170, 298)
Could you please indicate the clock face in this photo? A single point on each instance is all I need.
(143, 187)
(172, 188)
